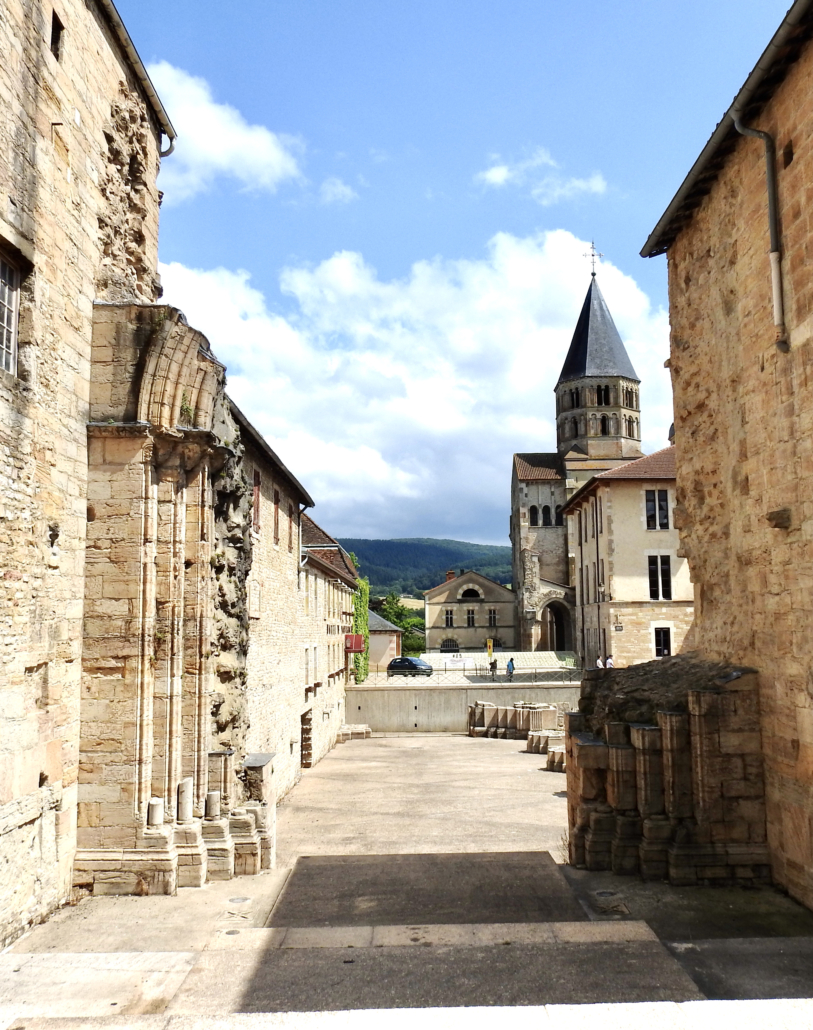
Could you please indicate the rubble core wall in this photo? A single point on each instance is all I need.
(79, 155)
(744, 438)
(665, 773)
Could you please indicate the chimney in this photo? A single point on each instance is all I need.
(450, 575)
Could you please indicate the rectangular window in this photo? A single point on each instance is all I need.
(290, 527)
(580, 523)
(492, 616)
(581, 585)
(651, 519)
(307, 666)
(666, 577)
(663, 642)
(595, 582)
(663, 509)
(276, 516)
(601, 573)
(654, 585)
(600, 516)
(469, 616)
(449, 615)
(307, 593)
(255, 516)
(657, 509)
(57, 28)
(9, 302)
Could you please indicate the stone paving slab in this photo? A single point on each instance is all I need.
(756, 968)
(345, 978)
(458, 935)
(382, 890)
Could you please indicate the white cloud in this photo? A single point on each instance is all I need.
(501, 173)
(334, 191)
(215, 140)
(548, 189)
(400, 402)
(554, 188)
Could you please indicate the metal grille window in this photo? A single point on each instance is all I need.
(492, 616)
(449, 617)
(9, 299)
(469, 616)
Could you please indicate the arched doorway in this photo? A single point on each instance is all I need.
(557, 628)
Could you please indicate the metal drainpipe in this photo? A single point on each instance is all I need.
(773, 224)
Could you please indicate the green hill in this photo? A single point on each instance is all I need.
(414, 565)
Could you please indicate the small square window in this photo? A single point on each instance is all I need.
(9, 307)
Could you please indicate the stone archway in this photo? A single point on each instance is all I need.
(556, 631)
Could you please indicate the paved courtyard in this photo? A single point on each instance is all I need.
(373, 912)
(424, 793)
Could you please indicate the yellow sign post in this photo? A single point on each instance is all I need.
(490, 646)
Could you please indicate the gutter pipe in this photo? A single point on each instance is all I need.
(126, 43)
(773, 224)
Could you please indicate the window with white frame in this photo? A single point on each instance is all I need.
(9, 306)
(660, 577)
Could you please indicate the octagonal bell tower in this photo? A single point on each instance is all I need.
(598, 414)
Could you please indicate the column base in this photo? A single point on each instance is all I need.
(219, 849)
(149, 868)
(192, 855)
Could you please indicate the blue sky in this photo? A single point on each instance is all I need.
(377, 213)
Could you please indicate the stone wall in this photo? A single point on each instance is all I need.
(665, 773)
(744, 438)
(57, 171)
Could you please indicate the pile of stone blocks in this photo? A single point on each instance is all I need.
(664, 773)
(557, 760)
(515, 723)
(356, 731)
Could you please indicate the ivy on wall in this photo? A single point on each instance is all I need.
(361, 624)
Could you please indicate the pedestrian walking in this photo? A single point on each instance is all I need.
(599, 663)
(509, 668)
(610, 664)
(492, 665)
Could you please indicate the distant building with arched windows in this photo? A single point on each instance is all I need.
(465, 611)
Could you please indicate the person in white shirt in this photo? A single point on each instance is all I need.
(609, 663)
(599, 663)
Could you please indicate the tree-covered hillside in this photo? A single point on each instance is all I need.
(414, 565)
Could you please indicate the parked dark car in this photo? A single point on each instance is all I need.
(409, 667)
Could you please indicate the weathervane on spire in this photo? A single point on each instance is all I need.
(594, 255)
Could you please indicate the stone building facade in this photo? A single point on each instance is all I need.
(741, 310)
(139, 731)
(597, 428)
(634, 597)
(465, 611)
(80, 136)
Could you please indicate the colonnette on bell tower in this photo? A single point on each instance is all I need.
(598, 427)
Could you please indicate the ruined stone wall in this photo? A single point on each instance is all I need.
(744, 438)
(231, 561)
(665, 773)
(56, 193)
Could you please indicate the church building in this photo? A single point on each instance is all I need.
(597, 428)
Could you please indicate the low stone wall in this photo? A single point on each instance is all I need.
(664, 773)
(425, 709)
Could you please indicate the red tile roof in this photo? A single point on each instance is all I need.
(315, 536)
(539, 466)
(660, 465)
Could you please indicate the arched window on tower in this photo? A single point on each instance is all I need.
(560, 519)
(533, 515)
(574, 428)
(545, 514)
(605, 426)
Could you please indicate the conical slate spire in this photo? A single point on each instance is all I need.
(596, 348)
